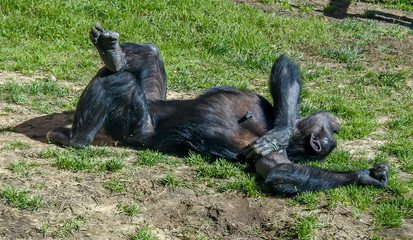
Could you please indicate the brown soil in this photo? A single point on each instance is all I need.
(169, 213)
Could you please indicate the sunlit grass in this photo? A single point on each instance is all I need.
(209, 43)
(20, 198)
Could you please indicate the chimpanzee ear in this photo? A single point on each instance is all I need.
(315, 143)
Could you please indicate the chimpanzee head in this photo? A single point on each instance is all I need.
(313, 137)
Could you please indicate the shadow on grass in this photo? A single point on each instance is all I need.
(37, 128)
(339, 9)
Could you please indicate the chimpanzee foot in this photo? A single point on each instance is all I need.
(107, 43)
(61, 136)
(376, 176)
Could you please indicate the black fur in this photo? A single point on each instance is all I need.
(130, 104)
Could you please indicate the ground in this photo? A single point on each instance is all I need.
(169, 212)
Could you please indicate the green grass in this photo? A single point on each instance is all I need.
(44, 229)
(116, 185)
(209, 43)
(329, 8)
(220, 168)
(307, 8)
(246, 183)
(311, 199)
(400, 4)
(343, 54)
(305, 226)
(390, 213)
(363, 198)
(171, 180)
(22, 167)
(236, 174)
(88, 158)
(19, 198)
(71, 225)
(141, 233)
(151, 158)
(42, 95)
(403, 150)
(180, 29)
(114, 164)
(16, 145)
(129, 209)
(369, 14)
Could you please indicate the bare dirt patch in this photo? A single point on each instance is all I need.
(170, 213)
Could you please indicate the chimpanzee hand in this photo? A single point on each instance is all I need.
(377, 176)
(272, 141)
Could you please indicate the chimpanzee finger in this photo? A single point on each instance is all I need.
(110, 35)
(95, 31)
(251, 153)
(99, 28)
(248, 149)
(248, 153)
(245, 151)
(258, 150)
(266, 151)
(93, 37)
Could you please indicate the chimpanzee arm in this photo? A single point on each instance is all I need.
(288, 178)
(285, 90)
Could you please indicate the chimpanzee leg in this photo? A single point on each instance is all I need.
(285, 90)
(114, 101)
(144, 60)
(128, 119)
(107, 44)
(117, 99)
(91, 113)
(289, 178)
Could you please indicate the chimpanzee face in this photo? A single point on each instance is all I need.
(313, 137)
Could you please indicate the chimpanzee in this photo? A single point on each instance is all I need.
(127, 98)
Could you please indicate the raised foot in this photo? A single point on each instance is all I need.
(105, 40)
(107, 43)
(61, 136)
